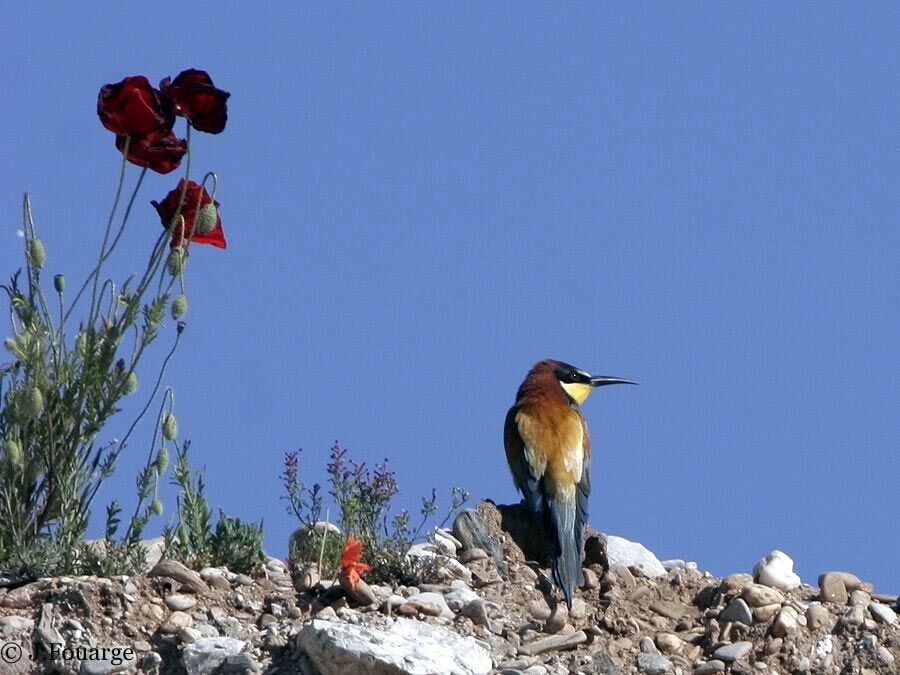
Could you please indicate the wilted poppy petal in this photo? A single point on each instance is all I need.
(133, 107)
(159, 151)
(194, 96)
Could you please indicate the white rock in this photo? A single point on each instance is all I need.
(205, 656)
(776, 570)
(882, 613)
(208, 573)
(823, 648)
(408, 646)
(620, 551)
(446, 545)
(457, 598)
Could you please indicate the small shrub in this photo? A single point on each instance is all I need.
(191, 539)
(362, 498)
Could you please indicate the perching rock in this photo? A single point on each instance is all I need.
(407, 646)
(620, 551)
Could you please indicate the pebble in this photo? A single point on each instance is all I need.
(591, 580)
(180, 602)
(884, 655)
(10, 625)
(647, 646)
(175, 622)
(860, 597)
(557, 619)
(757, 595)
(765, 613)
(733, 652)
(735, 583)
(785, 623)
(737, 610)
(709, 667)
(653, 664)
(553, 643)
(882, 613)
(188, 578)
(817, 616)
(668, 643)
(854, 617)
(189, 635)
(669, 609)
(430, 604)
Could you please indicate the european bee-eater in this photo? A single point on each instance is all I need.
(549, 452)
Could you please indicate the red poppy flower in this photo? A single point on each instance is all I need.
(350, 564)
(194, 96)
(134, 108)
(159, 150)
(199, 226)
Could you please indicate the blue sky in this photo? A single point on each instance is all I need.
(422, 200)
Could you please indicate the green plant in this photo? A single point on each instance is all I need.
(191, 540)
(66, 381)
(363, 503)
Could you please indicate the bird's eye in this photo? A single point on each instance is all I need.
(574, 377)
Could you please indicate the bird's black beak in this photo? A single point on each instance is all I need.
(601, 380)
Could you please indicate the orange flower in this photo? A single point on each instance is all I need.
(350, 564)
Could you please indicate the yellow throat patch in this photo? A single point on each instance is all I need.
(578, 391)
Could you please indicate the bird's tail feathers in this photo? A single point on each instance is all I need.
(565, 551)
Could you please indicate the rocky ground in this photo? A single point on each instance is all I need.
(487, 610)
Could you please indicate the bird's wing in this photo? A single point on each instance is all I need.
(584, 490)
(524, 476)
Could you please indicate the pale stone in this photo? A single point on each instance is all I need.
(180, 602)
(737, 610)
(765, 613)
(653, 664)
(734, 651)
(175, 622)
(208, 655)
(777, 571)
(406, 646)
(620, 551)
(817, 616)
(882, 613)
(785, 623)
(669, 643)
(757, 595)
(553, 643)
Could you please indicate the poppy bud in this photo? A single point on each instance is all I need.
(156, 507)
(169, 426)
(162, 461)
(179, 306)
(11, 346)
(131, 382)
(206, 219)
(12, 452)
(32, 404)
(37, 254)
(59, 283)
(175, 263)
